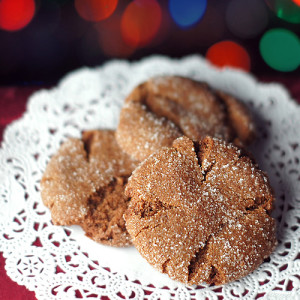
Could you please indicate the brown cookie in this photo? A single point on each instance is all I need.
(165, 108)
(199, 211)
(83, 184)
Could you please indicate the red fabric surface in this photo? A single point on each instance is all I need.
(12, 105)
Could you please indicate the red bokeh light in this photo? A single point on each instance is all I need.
(297, 2)
(112, 47)
(16, 14)
(95, 10)
(228, 53)
(140, 22)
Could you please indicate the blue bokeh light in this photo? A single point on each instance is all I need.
(187, 13)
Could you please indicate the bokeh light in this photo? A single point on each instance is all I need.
(198, 38)
(280, 49)
(112, 47)
(42, 40)
(229, 53)
(297, 2)
(247, 18)
(95, 10)
(140, 22)
(187, 13)
(16, 14)
(287, 10)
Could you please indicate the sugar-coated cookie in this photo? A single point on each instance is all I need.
(84, 182)
(199, 212)
(164, 108)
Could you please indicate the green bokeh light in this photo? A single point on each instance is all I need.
(285, 9)
(280, 49)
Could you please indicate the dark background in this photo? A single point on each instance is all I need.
(58, 40)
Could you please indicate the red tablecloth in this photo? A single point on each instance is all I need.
(12, 105)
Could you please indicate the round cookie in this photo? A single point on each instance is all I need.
(164, 108)
(199, 212)
(84, 183)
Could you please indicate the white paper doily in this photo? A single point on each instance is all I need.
(61, 263)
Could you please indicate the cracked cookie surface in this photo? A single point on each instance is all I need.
(199, 211)
(164, 108)
(84, 183)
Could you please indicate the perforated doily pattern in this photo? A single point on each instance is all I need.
(59, 262)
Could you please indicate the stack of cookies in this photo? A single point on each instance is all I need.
(174, 180)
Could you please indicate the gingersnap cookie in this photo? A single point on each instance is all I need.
(83, 184)
(164, 108)
(199, 212)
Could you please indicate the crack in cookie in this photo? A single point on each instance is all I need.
(87, 143)
(196, 261)
(104, 221)
(84, 184)
(145, 228)
(164, 108)
(212, 204)
(148, 209)
(165, 265)
(259, 202)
